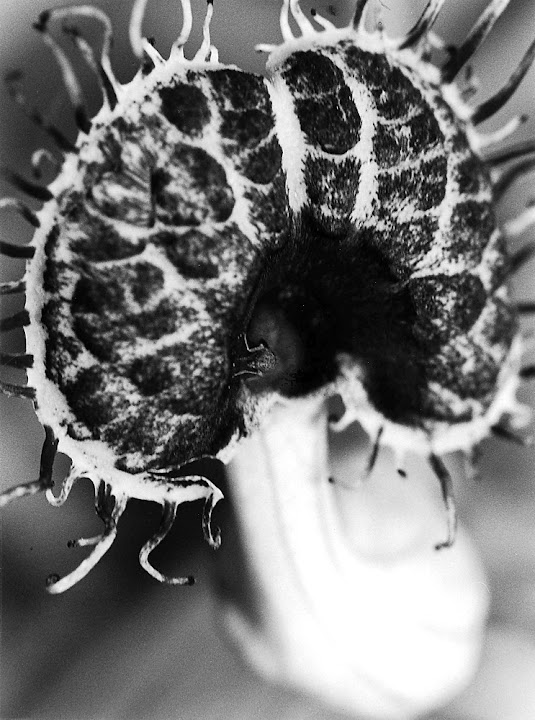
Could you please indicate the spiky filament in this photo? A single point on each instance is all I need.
(446, 486)
(497, 101)
(21, 208)
(101, 548)
(70, 81)
(423, 25)
(166, 523)
(103, 65)
(475, 39)
(358, 15)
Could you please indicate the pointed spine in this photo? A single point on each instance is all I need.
(520, 150)
(423, 25)
(510, 176)
(16, 360)
(18, 391)
(20, 319)
(166, 523)
(32, 189)
(497, 101)
(74, 91)
(103, 66)
(358, 15)
(23, 210)
(446, 487)
(521, 257)
(375, 451)
(16, 251)
(13, 287)
(101, 548)
(475, 39)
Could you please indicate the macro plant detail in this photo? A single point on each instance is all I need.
(217, 243)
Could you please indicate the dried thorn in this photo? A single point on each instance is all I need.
(475, 39)
(506, 434)
(85, 542)
(35, 191)
(284, 21)
(203, 52)
(511, 175)
(187, 24)
(19, 391)
(48, 456)
(72, 86)
(305, 26)
(525, 308)
(100, 549)
(85, 49)
(22, 490)
(520, 150)
(135, 32)
(497, 101)
(38, 158)
(20, 319)
(66, 487)
(401, 472)
(16, 360)
(322, 22)
(519, 224)
(104, 64)
(375, 452)
(528, 372)
(22, 209)
(213, 539)
(16, 251)
(521, 257)
(446, 486)
(423, 25)
(359, 13)
(168, 518)
(13, 287)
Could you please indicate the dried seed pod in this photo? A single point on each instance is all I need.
(217, 240)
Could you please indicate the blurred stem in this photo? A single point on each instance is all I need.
(373, 622)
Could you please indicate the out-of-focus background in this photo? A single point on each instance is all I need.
(120, 645)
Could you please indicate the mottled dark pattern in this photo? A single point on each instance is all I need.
(472, 224)
(332, 189)
(247, 123)
(186, 107)
(404, 244)
(269, 211)
(447, 305)
(143, 326)
(470, 175)
(100, 242)
(323, 102)
(263, 163)
(478, 381)
(424, 187)
(192, 189)
(421, 133)
(190, 253)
